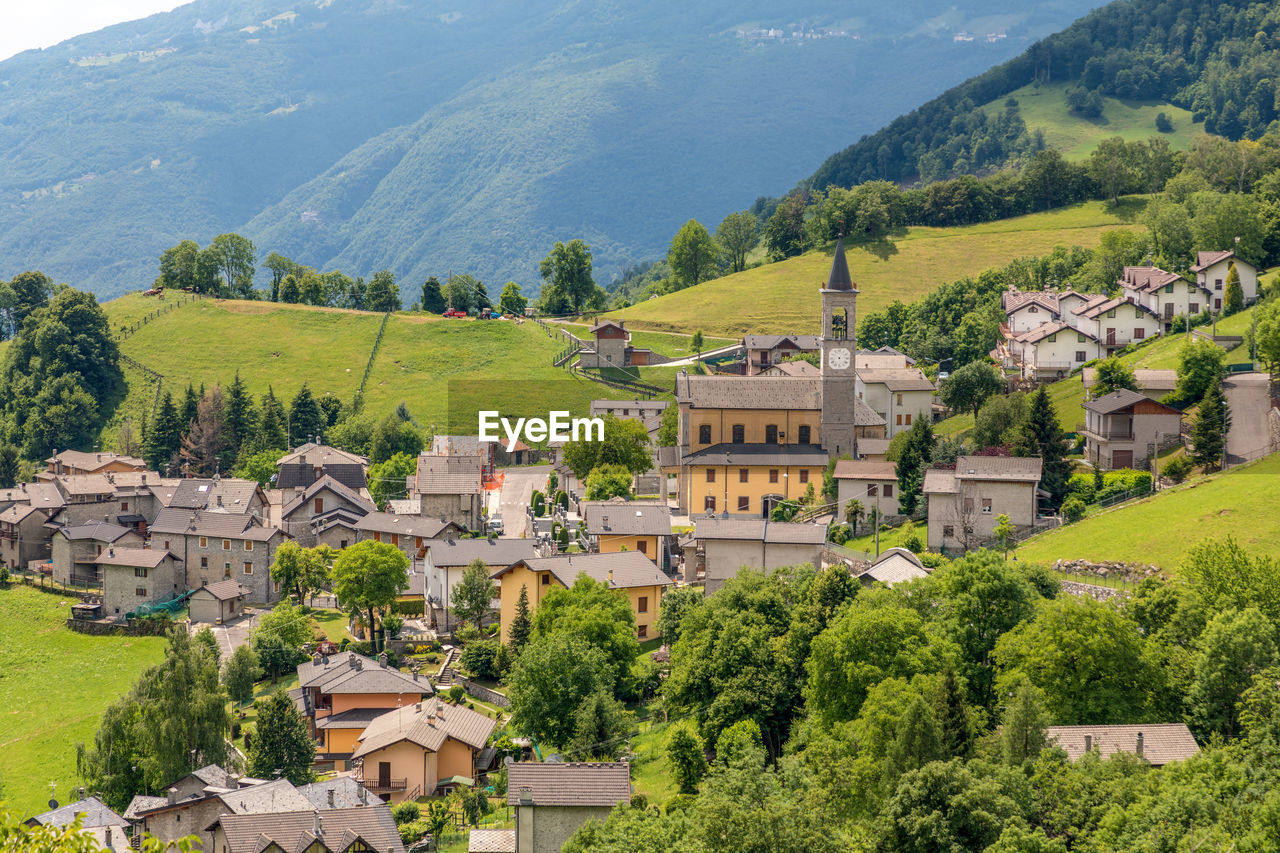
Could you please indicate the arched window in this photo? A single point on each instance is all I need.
(840, 324)
(739, 434)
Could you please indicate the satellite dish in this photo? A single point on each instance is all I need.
(509, 760)
(53, 804)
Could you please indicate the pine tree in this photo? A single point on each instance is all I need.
(1049, 445)
(1022, 729)
(238, 415)
(8, 466)
(305, 419)
(432, 299)
(281, 744)
(190, 406)
(918, 741)
(270, 433)
(164, 435)
(1209, 432)
(953, 718)
(912, 463)
(1233, 300)
(518, 634)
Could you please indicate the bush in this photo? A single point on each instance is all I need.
(413, 830)
(406, 812)
(1177, 468)
(482, 659)
(841, 534)
(1081, 486)
(553, 479)
(563, 539)
(456, 692)
(910, 538)
(1120, 482)
(408, 608)
(1073, 509)
(235, 729)
(4, 575)
(539, 503)
(392, 623)
(930, 560)
(562, 499)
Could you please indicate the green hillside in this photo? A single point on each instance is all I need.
(783, 297)
(1044, 108)
(1240, 503)
(427, 362)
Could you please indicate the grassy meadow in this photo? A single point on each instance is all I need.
(56, 684)
(783, 297)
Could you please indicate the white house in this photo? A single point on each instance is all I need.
(447, 559)
(1165, 294)
(1212, 269)
(1053, 350)
(873, 484)
(899, 395)
(1116, 323)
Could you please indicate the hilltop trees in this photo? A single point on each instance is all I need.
(737, 235)
(233, 257)
(432, 297)
(383, 293)
(510, 301)
(566, 273)
(693, 254)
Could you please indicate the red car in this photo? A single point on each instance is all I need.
(452, 313)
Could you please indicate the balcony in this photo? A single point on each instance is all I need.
(384, 786)
(1108, 435)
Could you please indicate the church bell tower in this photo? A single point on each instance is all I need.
(839, 347)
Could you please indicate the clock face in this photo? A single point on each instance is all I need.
(838, 359)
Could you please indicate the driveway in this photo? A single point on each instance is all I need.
(1248, 396)
(514, 497)
(234, 634)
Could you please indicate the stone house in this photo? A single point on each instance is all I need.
(109, 830)
(217, 603)
(611, 347)
(88, 498)
(964, 503)
(23, 537)
(1212, 270)
(192, 804)
(409, 533)
(899, 395)
(553, 800)
(874, 484)
(230, 495)
(310, 462)
(1156, 743)
(450, 488)
(408, 752)
(73, 462)
(323, 496)
(446, 560)
(132, 577)
(336, 528)
(368, 829)
(728, 545)
(217, 546)
(75, 550)
(1124, 429)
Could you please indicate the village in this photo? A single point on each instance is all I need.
(774, 453)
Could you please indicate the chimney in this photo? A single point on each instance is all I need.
(219, 500)
(171, 795)
(144, 478)
(331, 798)
(316, 828)
(1140, 744)
(611, 577)
(1088, 743)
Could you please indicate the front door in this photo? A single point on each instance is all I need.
(1122, 459)
(384, 774)
(1111, 337)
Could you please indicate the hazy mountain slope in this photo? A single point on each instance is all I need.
(422, 136)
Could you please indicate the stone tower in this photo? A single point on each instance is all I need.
(839, 347)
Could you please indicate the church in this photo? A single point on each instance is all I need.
(746, 443)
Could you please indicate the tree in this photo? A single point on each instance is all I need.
(696, 342)
(566, 271)
(1236, 645)
(473, 593)
(510, 301)
(280, 267)
(271, 425)
(287, 622)
(394, 436)
(306, 423)
(461, 293)
(608, 481)
(1233, 300)
(1023, 726)
(943, 806)
(234, 259)
(550, 679)
(1112, 374)
(596, 614)
(737, 235)
(259, 467)
(206, 440)
(686, 758)
(1004, 532)
(383, 294)
(1209, 432)
(432, 297)
(164, 437)
(1267, 335)
(970, 386)
(675, 607)
(854, 512)
(240, 673)
(368, 576)
(669, 426)
(8, 466)
(1000, 420)
(282, 747)
(387, 480)
(1111, 165)
(302, 571)
(693, 254)
(784, 235)
(1201, 365)
(919, 740)
(912, 463)
(238, 415)
(625, 443)
(600, 726)
(1049, 444)
(521, 626)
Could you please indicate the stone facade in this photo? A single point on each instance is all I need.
(545, 829)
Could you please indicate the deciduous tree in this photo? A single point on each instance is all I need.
(234, 259)
(432, 297)
(240, 673)
(368, 576)
(693, 254)
(970, 386)
(566, 273)
(737, 235)
(473, 593)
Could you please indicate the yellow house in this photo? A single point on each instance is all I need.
(618, 525)
(406, 753)
(629, 572)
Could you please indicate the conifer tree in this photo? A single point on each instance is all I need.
(190, 406)
(305, 419)
(1233, 299)
(270, 433)
(8, 466)
(912, 463)
(521, 625)
(164, 436)
(238, 415)
(1022, 729)
(1209, 432)
(281, 743)
(918, 741)
(432, 299)
(953, 718)
(1049, 445)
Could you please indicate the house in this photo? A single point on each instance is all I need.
(898, 395)
(1124, 429)
(405, 753)
(338, 792)
(336, 528)
(75, 550)
(1165, 294)
(310, 462)
(636, 410)
(217, 603)
(553, 800)
(108, 829)
(86, 498)
(221, 494)
(450, 488)
(894, 566)
(72, 462)
(340, 695)
(727, 545)
(1212, 269)
(23, 537)
(611, 347)
(629, 571)
(1152, 384)
(409, 533)
(1053, 350)
(216, 545)
(322, 496)
(365, 829)
(617, 525)
(964, 503)
(882, 358)
(447, 559)
(873, 449)
(1156, 743)
(764, 351)
(132, 577)
(873, 484)
(1116, 323)
(194, 802)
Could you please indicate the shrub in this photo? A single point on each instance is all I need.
(4, 575)
(406, 812)
(408, 608)
(1177, 468)
(1081, 486)
(910, 538)
(539, 503)
(482, 659)
(456, 692)
(930, 560)
(1163, 124)
(562, 499)
(392, 623)
(553, 479)
(1073, 509)
(563, 539)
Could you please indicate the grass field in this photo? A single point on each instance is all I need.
(783, 297)
(1158, 530)
(56, 684)
(1045, 108)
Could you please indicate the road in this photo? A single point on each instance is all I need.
(516, 493)
(1248, 396)
(234, 635)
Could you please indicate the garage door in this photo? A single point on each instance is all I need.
(1122, 459)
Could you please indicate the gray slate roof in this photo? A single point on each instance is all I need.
(448, 475)
(347, 793)
(326, 484)
(311, 454)
(98, 531)
(749, 392)
(222, 590)
(839, 278)
(405, 525)
(862, 469)
(1118, 401)
(800, 342)
(236, 495)
(1011, 468)
(96, 813)
(147, 558)
(348, 672)
(629, 569)
(494, 552)
(626, 518)
(894, 566)
(603, 785)
(896, 379)
(339, 829)
(758, 454)
(175, 521)
(760, 530)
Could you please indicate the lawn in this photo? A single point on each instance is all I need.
(783, 297)
(649, 773)
(1158, 530)
(56, 684)
(260, 691)
(333, 623)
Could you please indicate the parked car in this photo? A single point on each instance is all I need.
(495, 525)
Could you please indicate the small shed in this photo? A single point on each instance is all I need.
(218, 602)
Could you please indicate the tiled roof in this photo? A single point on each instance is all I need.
(800, 342)
(599, 407)
(749, 392)
(1162, 743)
(16, 513)
(230, 494)
(96, 813)
(311, 454)
(896, 565)
(329, 484)
(448, 475)
(426, 724)
(758, 454)
(339, 829)
(939, 481)
(85, 484)
(492, 841)
(873, 446)
(367, 676)
(860, 469)
(405, 525)
(223, 590)
(1150, 279)
(603, 785)
(98, 531)
(1041, 332)
(494, 552)
(1009, 468)
(1204, 260)
(138, 557)
(93, 461)
(896, 379)
(347, 793)
(1148, 379)
(228, 525)
(1091, 300)
(626, 518)
(760, 530)
(1014, 299)
(628, 569)
(357, 718)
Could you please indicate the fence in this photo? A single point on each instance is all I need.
(152, 374)
(126, 331)
(368, 367)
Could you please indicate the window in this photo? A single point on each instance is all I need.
(204, 542)
(1194, 308)
(1033, 310)
(377, 536)
(1052, 337)
(805, 434)
(139, 573)
(771, 434)
(124, 506)
(804, 475)
(1079, 337)
(908, 420)
(704, 434)
(226, 571)
(1137, 313)
(986, 506)
(872, 490)
(546, 580)
(141, 592)
(204, 562)
(711, 475)
(899, 399)
(166, 544)
(642, 631)
(899, 420)
(948, 530)
(1217, 284)
(1139, 333)
(1111, 314)
(248, 544)
(773, 475)
(888, 490)
(275, 587)
(248, 567)
(739, 434)
(226, 544)
(709, 505)
(642, 604)
(968, 504)
(643, 547)
(1168, 288)
(744, 503)
(1081, 356)
(319, 506)
(742, 474)
(342, 543)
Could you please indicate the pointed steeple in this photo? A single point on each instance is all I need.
(839, 279)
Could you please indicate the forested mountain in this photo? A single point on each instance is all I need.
(1218, 59)
(420, 137)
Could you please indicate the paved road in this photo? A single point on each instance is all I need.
(233, 635)
(517, 490)
(1248, 396)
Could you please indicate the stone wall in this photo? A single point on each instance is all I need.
(1134, 573)
(131, 628)
(483, 693)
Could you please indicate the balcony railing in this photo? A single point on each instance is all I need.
(379, 786)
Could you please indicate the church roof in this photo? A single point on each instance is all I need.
(839, 279)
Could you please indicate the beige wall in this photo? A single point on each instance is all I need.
(409, 761)
(352, 701)
(608, 544)
(455, 758)
(1017, 500)
(900, 409)
(754, 422)
(848, 490)
(509, 594)
(727, 486)
(175, 823)
(725, 557)
(1220, 271)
